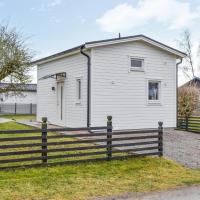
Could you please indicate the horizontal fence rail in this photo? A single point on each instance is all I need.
(18, 108)
(43, 147)
(191, 124)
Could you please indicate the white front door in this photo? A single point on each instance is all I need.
(60, 103)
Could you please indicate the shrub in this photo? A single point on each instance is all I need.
(188, 100)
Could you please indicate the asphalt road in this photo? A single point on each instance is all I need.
(182, 193)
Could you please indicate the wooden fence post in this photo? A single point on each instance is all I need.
(44, 140)
(109, 137)
(160, 138)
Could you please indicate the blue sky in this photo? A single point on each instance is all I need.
(56, 25)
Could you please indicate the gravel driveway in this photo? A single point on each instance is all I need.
(183, 147)
(180, 146)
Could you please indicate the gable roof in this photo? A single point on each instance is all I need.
(89, 45)
(25, 88)
(194, 82)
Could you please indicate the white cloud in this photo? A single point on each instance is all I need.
(54, 3)
(47, 6)
(124, 17)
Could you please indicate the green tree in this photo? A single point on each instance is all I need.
(15, 59)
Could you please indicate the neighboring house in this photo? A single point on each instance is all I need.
(195, 82)
(27, 95)
(23, 102)
(132, 78)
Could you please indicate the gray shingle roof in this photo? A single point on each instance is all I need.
(194, 82)
(26, 87)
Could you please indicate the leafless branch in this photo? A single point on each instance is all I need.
(186, 45)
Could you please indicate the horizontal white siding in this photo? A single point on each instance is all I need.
(123, 94)
(23, 98)
(73, 114)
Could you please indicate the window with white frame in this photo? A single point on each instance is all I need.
(136, 64)
(78, 89)
(154, 91)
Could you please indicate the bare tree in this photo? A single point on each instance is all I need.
(15, 59)
(188, 67)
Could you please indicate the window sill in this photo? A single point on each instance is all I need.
(136, 70)
(154, 103)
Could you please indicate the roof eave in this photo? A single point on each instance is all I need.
(178, 53)
(89, 45)
(56, 56)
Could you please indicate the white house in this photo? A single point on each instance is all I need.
(19, 103)
(133, 78)
(27, 96)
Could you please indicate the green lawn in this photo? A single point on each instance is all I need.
(19, 117)
(80, 181)
(13, 126)
(16, 126)
(76, 182)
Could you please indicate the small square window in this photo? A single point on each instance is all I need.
(136, 64)
(154, 91)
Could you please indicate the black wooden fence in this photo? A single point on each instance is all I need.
(191, 124)
(74, 145)
(18, 108)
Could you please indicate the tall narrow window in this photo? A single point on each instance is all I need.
(61, 102)
(154, 91)
(78, 89)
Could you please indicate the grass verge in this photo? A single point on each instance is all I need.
(82, 181)
(19, 117)
(79, 182)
